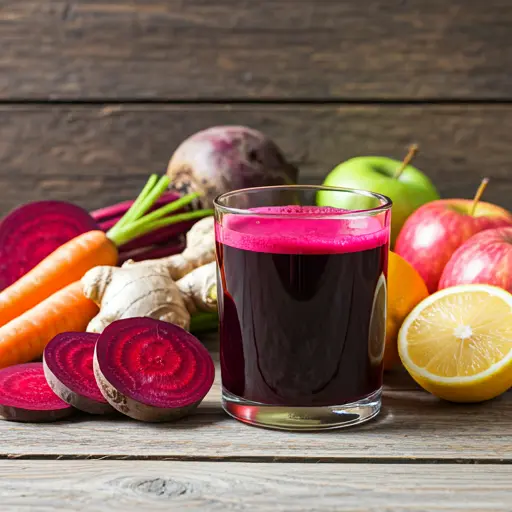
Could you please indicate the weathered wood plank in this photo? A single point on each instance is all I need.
(95, 155)
(197, 486)
(413, 425)
(273, 49)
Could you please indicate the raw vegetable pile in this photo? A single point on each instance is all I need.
(110, 300)
(107, 298)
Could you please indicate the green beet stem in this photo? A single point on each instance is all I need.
(169, 208)
(137, 221)
(145, 201)
(141, 227)
(132, 211)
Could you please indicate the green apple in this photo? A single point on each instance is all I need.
(408, 189)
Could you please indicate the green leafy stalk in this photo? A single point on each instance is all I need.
(141, 227)
(161, 186)
(137, 221)
(169, 208)
(134, 208)
(142, 204)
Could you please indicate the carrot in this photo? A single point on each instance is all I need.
(72, 260)
(64, 266)
(24, 338)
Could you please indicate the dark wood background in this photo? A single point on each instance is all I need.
(96, 94)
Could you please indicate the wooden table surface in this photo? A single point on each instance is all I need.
(420, 454)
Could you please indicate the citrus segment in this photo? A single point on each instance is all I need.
(457, 343)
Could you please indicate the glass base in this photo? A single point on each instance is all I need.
(302, 418)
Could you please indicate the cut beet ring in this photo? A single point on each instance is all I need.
(31, 232)
(26, 396)
(152, 370)
(67, 361)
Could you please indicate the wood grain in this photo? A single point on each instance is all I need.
(96, 155)
(413, 425)
(112, 486)
(270, 49)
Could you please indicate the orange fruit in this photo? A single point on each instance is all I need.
(406, 289)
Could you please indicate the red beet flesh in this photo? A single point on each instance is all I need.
(67, 361)
(152, 370)
(26, 396)
(33, 231)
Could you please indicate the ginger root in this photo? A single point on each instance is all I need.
(200, 250)
(199, 288)
(169, 289)
(134, 291)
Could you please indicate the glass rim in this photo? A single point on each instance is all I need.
(385, 206)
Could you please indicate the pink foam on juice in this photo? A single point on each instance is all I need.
(301, 230)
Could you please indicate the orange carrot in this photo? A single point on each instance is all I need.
(65, 265)
(23, 339)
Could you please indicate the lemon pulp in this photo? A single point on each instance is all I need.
(457, 343)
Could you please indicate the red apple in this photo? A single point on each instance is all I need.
(436, 230)
(485, 258)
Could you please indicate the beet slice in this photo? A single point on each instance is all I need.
(152, 370)
(67, 361)
(31, 232)
(26, 396)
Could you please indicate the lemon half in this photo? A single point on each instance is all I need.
(457, 343)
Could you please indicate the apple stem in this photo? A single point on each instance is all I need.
(478, 195)
(413, 150)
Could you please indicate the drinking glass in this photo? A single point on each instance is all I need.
(302, 304)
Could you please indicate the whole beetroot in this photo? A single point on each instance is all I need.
(225, 158)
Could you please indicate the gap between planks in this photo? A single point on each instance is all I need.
(263, 459)
(287, 102)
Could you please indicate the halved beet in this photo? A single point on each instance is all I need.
(67, 361)
(31, 232)
(152, 370)
(26, 396)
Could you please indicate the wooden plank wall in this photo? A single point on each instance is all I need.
(95, 94)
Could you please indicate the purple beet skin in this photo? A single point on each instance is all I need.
(225, 158)
(31, 232)
(68, 368)
(25, 395)
(152, 370)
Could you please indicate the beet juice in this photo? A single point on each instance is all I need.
(302, 305)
